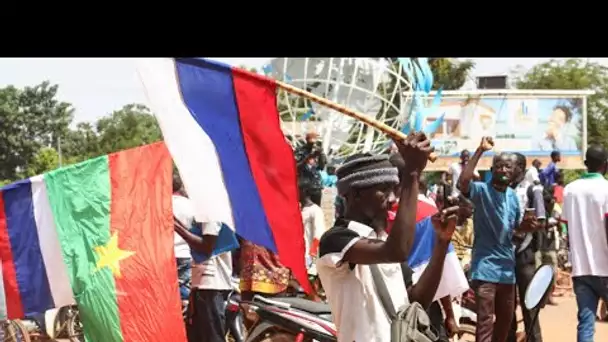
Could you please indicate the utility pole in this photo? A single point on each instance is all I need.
(59, 151)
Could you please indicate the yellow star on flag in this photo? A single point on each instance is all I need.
(110, 255)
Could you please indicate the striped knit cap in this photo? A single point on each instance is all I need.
(365, 170)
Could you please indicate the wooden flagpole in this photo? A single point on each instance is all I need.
(368, 120)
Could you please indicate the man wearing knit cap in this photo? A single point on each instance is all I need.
(311, 161)
(359, 239)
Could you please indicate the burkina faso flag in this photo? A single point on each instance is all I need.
(104, 229)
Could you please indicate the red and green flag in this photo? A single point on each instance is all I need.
(103, 228)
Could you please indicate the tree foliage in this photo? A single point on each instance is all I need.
(35, 128)
(572, 74)
(44, 160)
(450, 74)
(131, 126)
(30, 119)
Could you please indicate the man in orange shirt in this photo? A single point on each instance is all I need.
(558, 188)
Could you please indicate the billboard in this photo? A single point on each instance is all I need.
(532, 125)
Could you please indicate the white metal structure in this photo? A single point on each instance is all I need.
(371, 86)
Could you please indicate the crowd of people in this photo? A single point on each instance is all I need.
(502, 229)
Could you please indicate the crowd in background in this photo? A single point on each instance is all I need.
(536, 188)
(260, 272)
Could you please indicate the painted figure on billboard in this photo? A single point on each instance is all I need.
(556, 136)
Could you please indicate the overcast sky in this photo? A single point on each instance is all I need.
(97, 86)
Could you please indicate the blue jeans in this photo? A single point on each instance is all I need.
(184, 272)
(588, 290)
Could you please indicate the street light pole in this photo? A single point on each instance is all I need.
(59, 151)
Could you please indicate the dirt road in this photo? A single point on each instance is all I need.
(558, 323)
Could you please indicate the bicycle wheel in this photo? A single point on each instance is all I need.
(15, 331)
(61, 321)
(74, 327)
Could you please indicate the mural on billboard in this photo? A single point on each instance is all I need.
(532, 126)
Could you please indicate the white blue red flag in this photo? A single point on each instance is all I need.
(221, 125)
(453, 280)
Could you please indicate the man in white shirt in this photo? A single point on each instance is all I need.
(532, 174)
(314, 227)
(314, 224)
(456, 169)
(359, 239)
(184, 212)
(585, 210)
(211, 282)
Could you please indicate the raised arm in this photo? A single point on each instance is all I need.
(424, 290)
(468, 173)
(415, 149)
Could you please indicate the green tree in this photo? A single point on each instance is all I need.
(574, 74)
(450, 73)
(46, 159)
(80, 144)
(131, 126)
(30, 118)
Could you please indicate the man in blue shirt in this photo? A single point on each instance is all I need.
(496, 216)
(548, 175)
(329, 178)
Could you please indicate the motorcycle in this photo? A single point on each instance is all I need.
(467, 323)
(234, 318)
(56, 323)
(289, 317)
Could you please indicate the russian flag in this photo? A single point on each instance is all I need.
(453, 280)
(222, 127)
(28, 244)
(426, 208)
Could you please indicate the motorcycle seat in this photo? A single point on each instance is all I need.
(305, 305)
